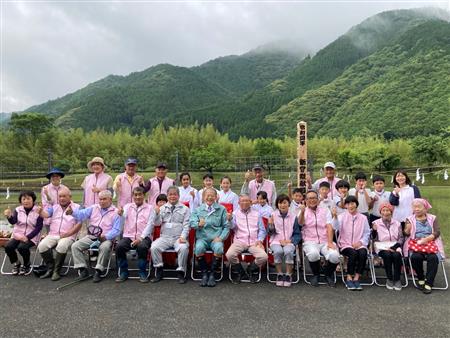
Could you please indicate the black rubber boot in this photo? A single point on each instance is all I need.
(253, 272)
(59, 261)
(236, 273)
(47, 256)
(204, 270)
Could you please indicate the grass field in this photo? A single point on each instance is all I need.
(436, 191)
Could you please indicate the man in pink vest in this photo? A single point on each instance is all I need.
(125, 183)
(259, 183)
(158, 184)
(249, 235)
(61, 235)
(317, 234)
(103, 218)
(330, 172)
(95, 182)
(50, 192)
(135, 217)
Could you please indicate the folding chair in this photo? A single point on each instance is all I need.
(270, 264)
(306, 275)
(442, 264)
(208, 257)
(132, 257)
(374, 269)
(93, 252)
(33, 260)
(247, 258)
(169, 258)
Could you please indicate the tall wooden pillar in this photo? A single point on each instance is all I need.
(302, 156)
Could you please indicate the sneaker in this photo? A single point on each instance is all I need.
(330, 282)
(280, 280)
(24, 270)
(143, 278)
(421, 285)
(287, 281)
(122, 278)
(16, 269)
(357, 285)
(398, 285)
(350, 285)
(427, 289)
(315, 280)
(389, 284)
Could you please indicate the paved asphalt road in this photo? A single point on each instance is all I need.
(32, 307)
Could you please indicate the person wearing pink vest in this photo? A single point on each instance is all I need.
(249, 235)
(424, 227)
(104, 218)
(61, 235)
(388, 236)
(125, 183)
(159, 184)
(95, 182)
(284, 237)
(50, 192)
(26, 232)
(330, 177)
(353, 239)
(134, 218)
(259, 183)
(317, 234)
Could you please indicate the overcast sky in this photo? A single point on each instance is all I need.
(52, 48)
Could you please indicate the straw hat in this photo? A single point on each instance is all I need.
(96, 160)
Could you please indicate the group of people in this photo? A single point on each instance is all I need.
(330, 220)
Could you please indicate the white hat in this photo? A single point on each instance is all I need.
(329, 165)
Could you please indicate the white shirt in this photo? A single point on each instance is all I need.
(185, 196)
(229, 197)
(383, 197)
(363, 206)
(404, 207)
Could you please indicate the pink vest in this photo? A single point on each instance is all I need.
(315, 227)
(26, 223)
(284, 227)
(333, 192)
(350, 232)
(154, 191)
(106, 221)
(126, 189)
(388, 234)
(430, 219)
(136, 220)
(53, 191)
(266, 185)
(246, 230)
(100, 181)
(61, 223)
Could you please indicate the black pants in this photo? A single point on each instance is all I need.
(392, 262)
(22, 247)
(124, 246)
(356, 260)
(432, 260)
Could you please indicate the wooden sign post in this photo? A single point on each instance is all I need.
(302, 156)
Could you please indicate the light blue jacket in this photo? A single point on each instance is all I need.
(216, 222)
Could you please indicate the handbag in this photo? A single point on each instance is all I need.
(428, 248)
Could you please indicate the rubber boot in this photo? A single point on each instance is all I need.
(214, 266)
(59, 261)
(204, 270)
(47, 256)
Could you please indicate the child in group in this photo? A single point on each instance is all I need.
(423, 228)
(265, 210)
(226, 196)
(325, 201)
(388, 236)
(353, 240)
(342, 187)
(208, 182)
(362, 193)
(284, 236)
(187, 192)
(380, 197)
(297, 199)
(28, 224)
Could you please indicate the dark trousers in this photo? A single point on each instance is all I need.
(356, 260)
(432, 260)
(124, 245)
(392, 262)
(22, 247)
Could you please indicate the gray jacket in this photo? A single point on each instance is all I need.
(174, 221)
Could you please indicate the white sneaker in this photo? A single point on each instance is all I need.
(398, 286)
(389, 284)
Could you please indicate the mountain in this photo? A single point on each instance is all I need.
(166, 93)
(386, 93)
(391, 67)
